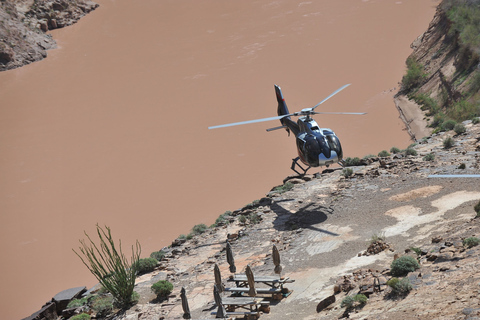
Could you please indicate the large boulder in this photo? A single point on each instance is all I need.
(63, 298)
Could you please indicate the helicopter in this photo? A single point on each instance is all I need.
(315, 146)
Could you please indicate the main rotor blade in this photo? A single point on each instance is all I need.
(359, 113)
(334, 93)
(250, 121)
(454, 176)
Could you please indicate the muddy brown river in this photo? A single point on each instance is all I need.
(111, 128)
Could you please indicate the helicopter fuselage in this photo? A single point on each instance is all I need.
(317, 146)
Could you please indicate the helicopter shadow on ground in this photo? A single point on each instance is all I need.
(307, 217)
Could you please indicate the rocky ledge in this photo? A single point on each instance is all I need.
(324, 226)
(24, 25)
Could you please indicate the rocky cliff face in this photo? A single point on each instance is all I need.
(24, 25)
(446, 84)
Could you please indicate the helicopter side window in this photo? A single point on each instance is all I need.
(315, 128)
(331, 142)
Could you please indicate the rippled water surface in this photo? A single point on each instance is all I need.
(111, 128)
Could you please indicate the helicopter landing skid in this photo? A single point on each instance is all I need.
(295, 163)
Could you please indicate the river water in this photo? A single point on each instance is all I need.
(111, 128)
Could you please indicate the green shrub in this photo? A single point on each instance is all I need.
(254, 218)
(103, 305)
(347, 172)
(368, 156)
(146, 265)
(448, 143)
(415, 75)
(426, 103)
(199, 229)
(471, 242)
(418, 251)
(395, 150)
(352, 162)
(287, 186)
(383, 154)
(222, 219)
(438, 120)
(459, 128)
(393, 282)
(475, 120)
(81, 316)
(347, 302)
(135, 297)
(462, 166)
(242, 219)
(403, 265)
(448, 125)
(402, 287)
(360, 298)
(159, 255)
(162, 288)
(410, 152)
(76, 303)
(429, 157)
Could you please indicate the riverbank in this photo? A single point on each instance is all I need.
(24, 36)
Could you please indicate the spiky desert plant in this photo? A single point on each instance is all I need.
(110, 266)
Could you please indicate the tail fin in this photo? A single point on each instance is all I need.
(282, 110)
(282, 106)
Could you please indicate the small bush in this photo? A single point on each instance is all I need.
(471, 242)
(392, 282)
(395, 150)
(459, 128)
(352, 162)
(418, 251)
(103, 305)
(368, 156)
(415, 75)
(347, 172)
(222, 219)
(448, 143)
(438, 120)
(287, 186)
(462, 166)
(429, 157)
(135, 297)
(242, 219)
(146, 265)
(81, 316)
(410, 152)
(162, 288)
(383, 154)
(199, 229)
(403, 265)
(254, 218)
(360, 298)
(76, 303)
(475, 120)
(448, 125)
(377, 237)
(347, 302)
(402, 287)
(159, 255)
